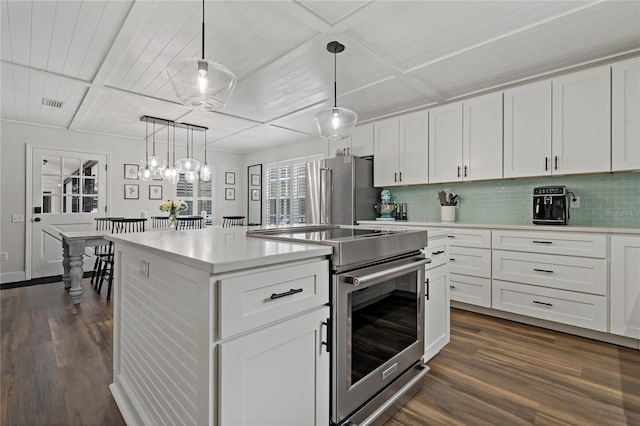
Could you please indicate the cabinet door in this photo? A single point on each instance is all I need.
(436, 311)
(386, 166)
(414, 148)
(482, 137)
(625, 115)
(445, 143)
(362, 140)
(625, 286)
(527, 130)
(278, 375)
(581, 138)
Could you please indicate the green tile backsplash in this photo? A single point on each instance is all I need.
(607, 200)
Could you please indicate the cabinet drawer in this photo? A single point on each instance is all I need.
(561, 272)
(478, 238)
(472, 290)
(261, 298)
(470, 261)
(567, 243)
(437, 253)
(581, 310)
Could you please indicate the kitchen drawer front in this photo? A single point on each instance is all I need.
(582, 274)
(253, 300)
(567, 243)
(478, 238)
(470, 261)
(578, 309)
(438, 255)
(471, 290)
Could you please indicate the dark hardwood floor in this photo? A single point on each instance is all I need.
(56, 368)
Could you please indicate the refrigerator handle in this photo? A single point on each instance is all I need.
(327, 196)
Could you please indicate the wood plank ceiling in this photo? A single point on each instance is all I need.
(106, 60)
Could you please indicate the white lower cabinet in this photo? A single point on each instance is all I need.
(470, 261)
(278, 375)
(436, 311)
(568, 307)
(625, 285)
(471, 290)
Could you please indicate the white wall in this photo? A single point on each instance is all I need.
(14, 138)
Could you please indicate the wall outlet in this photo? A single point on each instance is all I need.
(4, 256)
(144, 268)
(17, 218)
(574, 204)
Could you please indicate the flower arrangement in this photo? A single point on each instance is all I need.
(173, 207)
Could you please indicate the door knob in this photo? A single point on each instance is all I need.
(37, 219)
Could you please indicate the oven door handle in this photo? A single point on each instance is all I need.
(363, 279)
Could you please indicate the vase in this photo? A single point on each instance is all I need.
(447, 213)
(173, 220)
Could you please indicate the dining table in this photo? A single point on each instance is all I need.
(74, 244)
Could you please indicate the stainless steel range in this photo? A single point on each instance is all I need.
(377, 317)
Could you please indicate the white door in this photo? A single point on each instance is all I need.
(414, 148)
(482, 137)
(445, 143)
(68, 191)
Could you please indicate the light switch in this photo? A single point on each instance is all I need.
(144, 268)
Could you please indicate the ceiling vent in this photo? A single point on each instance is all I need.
(52, 103)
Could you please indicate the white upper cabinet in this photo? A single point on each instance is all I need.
(527, 130)
(625, 115)
(445, 143)
(359, 144)
(400, 150)
(482, 137)
(581, 129)
(465, 140)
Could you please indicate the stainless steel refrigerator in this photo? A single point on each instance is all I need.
(340, 191)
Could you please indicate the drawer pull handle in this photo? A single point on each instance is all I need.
(286, 293)
(542, 303)
(327, 344)
(452, 286)
(451, 236)
(435, 253)
(548, 271)
(542, 242)
(451, 259)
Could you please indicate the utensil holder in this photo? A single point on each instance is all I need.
(447, 213)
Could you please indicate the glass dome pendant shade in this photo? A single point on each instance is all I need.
(335, 123)
(170, 173)
(188, 164)
(145, 172)
(199, 83)
(156, 163)
(205, 169)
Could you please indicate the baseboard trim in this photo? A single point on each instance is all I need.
(37, 281)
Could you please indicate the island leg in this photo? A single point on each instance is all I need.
(65, 265)
(76, 252)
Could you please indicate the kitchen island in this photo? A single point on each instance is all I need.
(212, 327)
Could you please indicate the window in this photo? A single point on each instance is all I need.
(197, 195)
(285, 191)
(69, 185)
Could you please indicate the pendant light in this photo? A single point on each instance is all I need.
(170, 172)
(146, 173)
(188, 165)
(199, 83)
(205, 169)
(156, 162)
(335, 123)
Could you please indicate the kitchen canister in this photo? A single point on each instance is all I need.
(447, 213)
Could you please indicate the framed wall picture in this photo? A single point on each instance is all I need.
(255, 195)
(230, 178)
(131, 192)
(131, 171)
(255, 180)
(155, 192)
(230, 194)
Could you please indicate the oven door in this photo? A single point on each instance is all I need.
(378, 315)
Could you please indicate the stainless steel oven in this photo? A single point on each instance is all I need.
(378, 314)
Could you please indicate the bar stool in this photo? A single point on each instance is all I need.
(101, 252)
(159, 222)
(229, 221)
(118, 226)
(189, 222)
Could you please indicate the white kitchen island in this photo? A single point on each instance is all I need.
(214, 328)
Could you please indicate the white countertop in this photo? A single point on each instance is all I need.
(557, 228)
(218, 250)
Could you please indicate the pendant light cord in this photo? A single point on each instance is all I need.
(154, 138)
(192, 155)
(335, 84)
(146, 144)
(173, 163)
(203, 30)
(168, 143)
(205, 146)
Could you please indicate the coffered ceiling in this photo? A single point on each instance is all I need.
(105, 60)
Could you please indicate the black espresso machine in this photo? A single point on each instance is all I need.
(550, 205)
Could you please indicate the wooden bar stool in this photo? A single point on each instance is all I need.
(229, 221)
